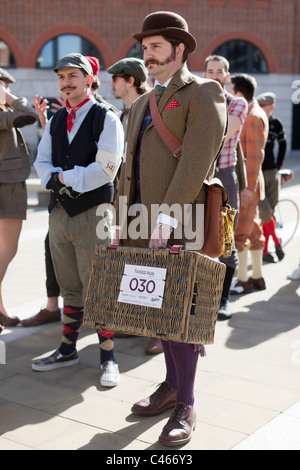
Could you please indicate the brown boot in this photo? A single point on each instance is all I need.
(179, 428)
(154, 346)
(158, 402)
(44, 316)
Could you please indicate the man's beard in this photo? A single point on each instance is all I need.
(168, 60)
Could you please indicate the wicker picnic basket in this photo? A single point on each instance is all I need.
(193, 287)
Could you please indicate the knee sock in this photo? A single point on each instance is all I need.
(72, 319)
(266, 235)
(242, 274)
(256, 264)
(272, 231)
(106, 343)
(227, 282)
(181, 362)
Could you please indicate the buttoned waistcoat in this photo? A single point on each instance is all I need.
(194, 111)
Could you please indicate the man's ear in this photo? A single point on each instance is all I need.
(90, 79)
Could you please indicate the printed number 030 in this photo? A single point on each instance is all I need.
(142, 285)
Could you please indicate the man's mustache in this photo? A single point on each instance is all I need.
(151, 61)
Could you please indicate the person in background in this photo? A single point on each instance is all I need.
(270, 167)
(129, 81)
(217, 68)
(15, 113)
(249, 234)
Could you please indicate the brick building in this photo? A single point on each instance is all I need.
(260, 37)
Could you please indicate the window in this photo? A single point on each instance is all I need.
(59, 46)
(136, 51)
(6, 57)
(243, 57)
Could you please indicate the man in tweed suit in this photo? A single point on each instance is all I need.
(249, 233)
(194, 111)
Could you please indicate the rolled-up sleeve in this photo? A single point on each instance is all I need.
(84, 179)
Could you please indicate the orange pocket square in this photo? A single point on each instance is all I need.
(172, 105)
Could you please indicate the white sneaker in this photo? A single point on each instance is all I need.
(295, 276)
(109, 375)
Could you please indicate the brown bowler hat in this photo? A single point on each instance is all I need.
(167, 23)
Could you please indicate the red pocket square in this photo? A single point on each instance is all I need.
(172, 105)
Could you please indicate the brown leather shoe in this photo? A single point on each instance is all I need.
(258, 284)
(180, 427)
(8, 321)
(241, 287)
(44, 316)
(154, 346)
(158, 402)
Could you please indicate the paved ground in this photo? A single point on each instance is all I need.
(247, 390)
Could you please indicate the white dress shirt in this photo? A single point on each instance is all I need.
(82, 179)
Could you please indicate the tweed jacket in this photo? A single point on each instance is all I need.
(194, 111)
(253, 140)
(14, 157)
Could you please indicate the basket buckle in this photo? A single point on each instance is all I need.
(175, 249)
(114, 246)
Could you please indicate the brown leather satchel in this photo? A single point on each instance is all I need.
(219, 216)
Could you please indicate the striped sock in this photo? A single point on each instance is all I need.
(106, 343)
(72, 318)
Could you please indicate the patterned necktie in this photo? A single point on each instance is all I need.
(159, 91)
(72, 113)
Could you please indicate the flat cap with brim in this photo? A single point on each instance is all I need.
(267, 98)
(130, 66)
(4, 75)
(74, 60)
(168, 24)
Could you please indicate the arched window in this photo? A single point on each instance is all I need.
(59, 46)
(6, 57)
(243, 57)
(136, 51)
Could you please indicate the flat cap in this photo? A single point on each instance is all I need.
(74, 60)
(266, 98)
(130, 66)
(4, 75)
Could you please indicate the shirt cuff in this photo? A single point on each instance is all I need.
(167, 220)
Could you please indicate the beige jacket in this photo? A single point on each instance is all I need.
(14, 157)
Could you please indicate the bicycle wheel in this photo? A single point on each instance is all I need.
(287, 220)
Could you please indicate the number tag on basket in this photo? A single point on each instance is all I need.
(142, 285)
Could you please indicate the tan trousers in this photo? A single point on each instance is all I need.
(72, 244)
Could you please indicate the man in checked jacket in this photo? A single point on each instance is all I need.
(194, 110)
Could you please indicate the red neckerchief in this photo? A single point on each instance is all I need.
(72, 113)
